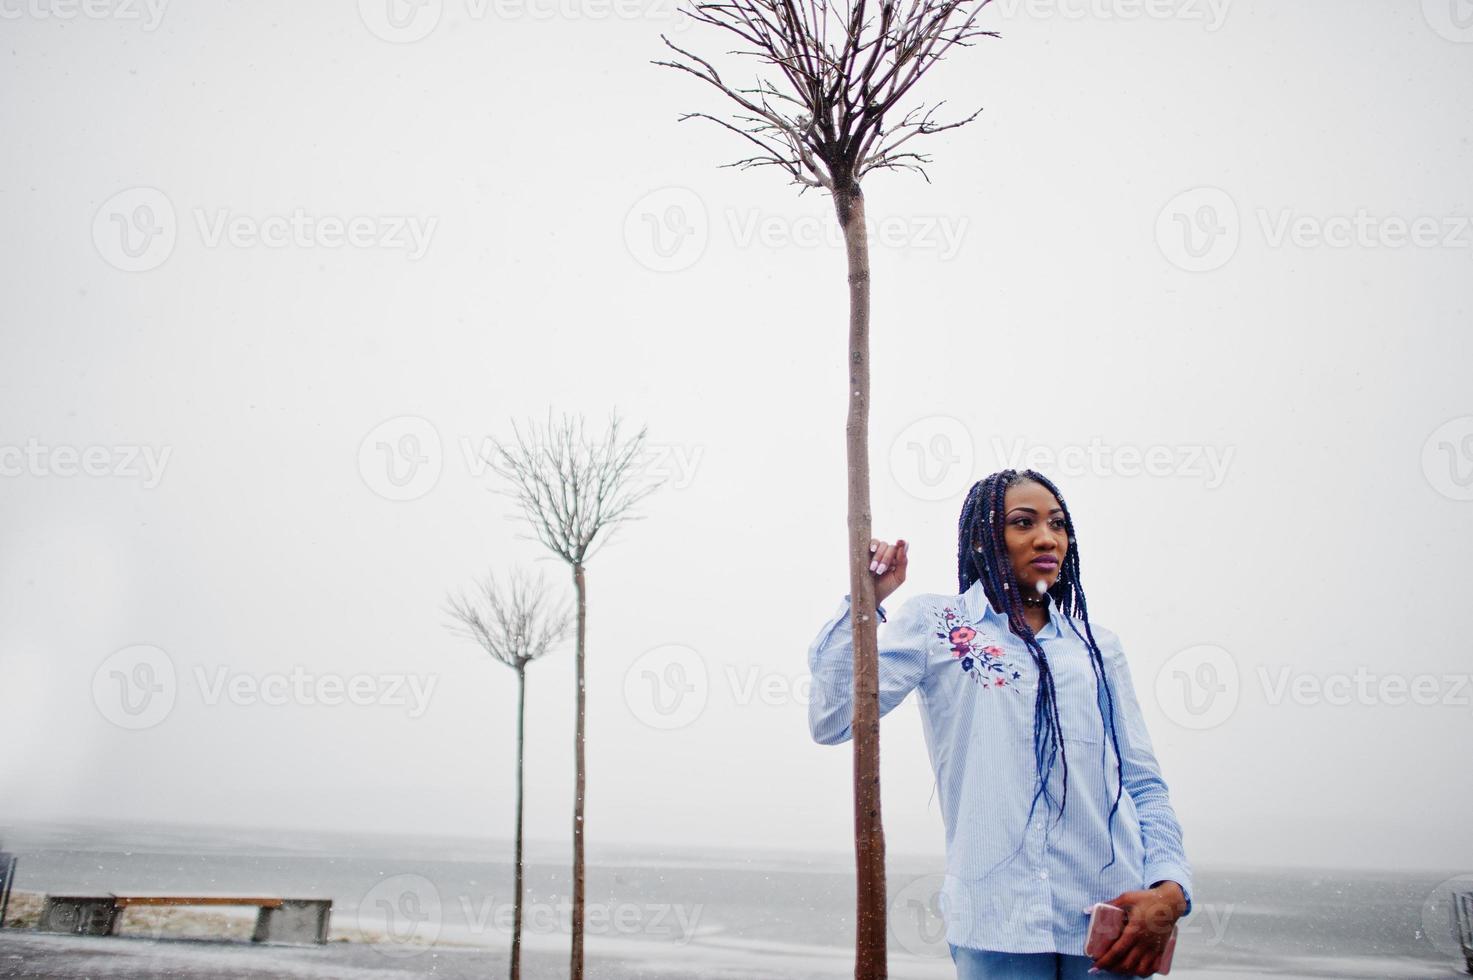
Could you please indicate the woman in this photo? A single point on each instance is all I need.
(1033, 838)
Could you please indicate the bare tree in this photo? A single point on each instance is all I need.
(515, 626)
(837, 72)
(572, 490)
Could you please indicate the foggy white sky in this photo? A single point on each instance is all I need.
(1042, 290)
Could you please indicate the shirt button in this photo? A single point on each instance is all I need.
(1043, 874)
(1038, 826)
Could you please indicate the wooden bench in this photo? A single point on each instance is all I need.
(279, 920)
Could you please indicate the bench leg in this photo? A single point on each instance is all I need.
(293, 922)
(79, 916)
(262, 932)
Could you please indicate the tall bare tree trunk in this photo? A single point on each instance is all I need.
(516, 926)
(869, 832)
(576, 969)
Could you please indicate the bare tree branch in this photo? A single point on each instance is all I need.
(822, 116)
(516, 624)
(571, 488)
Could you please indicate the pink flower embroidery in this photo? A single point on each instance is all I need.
(961, 640)
(985, 664)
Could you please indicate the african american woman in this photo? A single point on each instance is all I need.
(1051, 795)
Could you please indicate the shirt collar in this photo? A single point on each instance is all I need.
(977, 604)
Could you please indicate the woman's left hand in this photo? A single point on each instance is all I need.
(1149, 916)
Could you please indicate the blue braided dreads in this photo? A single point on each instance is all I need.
(982, 553)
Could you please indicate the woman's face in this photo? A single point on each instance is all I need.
(1033, 529)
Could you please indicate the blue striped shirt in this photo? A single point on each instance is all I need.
(977, 685)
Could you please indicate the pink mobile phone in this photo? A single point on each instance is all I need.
(1106, 923)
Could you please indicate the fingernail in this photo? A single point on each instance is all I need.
(881, 569)
(873, 565)
(872, 548)
(1094, 969)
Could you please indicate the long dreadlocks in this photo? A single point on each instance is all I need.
(982, 553)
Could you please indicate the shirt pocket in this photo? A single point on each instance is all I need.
(1085, 720)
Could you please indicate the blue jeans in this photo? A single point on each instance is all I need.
(984, 964)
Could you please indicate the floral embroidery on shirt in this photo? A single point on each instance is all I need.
(983, 663)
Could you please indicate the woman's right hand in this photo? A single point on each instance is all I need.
(888, 566)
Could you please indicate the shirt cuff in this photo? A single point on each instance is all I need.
(879, 609)
(1183, 880)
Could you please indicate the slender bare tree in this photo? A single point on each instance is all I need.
(516, 626)
(824, 115)
(574, 491)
